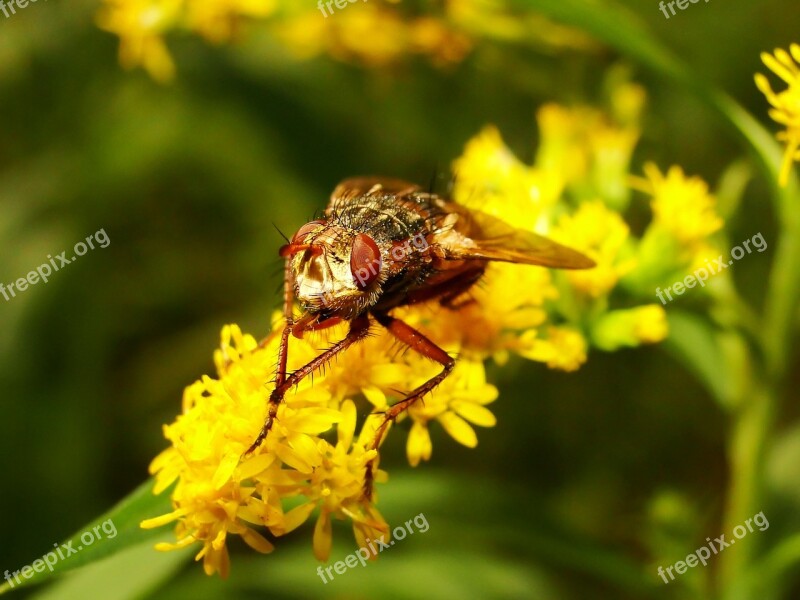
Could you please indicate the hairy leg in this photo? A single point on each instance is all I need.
(418, 342)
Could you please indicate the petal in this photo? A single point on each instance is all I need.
(225, 469)
(255, 465)
(475, 413)
(370, 427)
(314, 420)
(323, 536)
(163, 519)
(305, 448)
(347, 426)
(776, 67)
(257, 541)
(786, 60)
(795, 50)
(166, 547)
(418, 445)
(292, 458)
(459, 429)
(298, 515)
(375, 396)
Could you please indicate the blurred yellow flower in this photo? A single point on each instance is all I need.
(681, 205)
(374, 34)
(140, 25)
(650, 324)
(216, 20)
(490, 178)
(630, 327)
(679, 236)
(563, 348)
(786, 104)
(492, 19)
(601, 234)
(591, 150)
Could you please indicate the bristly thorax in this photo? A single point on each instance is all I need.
(386, 217)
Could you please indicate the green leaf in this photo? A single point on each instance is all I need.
(141, 568)
(693, 341)
(124, 518)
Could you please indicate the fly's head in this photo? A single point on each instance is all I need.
(336, 271)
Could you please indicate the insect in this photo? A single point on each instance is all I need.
(385, 243)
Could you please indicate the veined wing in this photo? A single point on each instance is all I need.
(478, 235)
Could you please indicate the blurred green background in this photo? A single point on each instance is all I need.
(589, 479)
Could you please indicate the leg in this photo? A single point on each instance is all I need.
(310, 323)
(416, 341)
(465, 281)
(288, 316)
(358, 331)
(449, 289)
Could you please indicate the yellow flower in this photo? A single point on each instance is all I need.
(786, 104)
(564, 348)
(679, 236)
(650, 324)
(492, 19)
(216, 20)
(140, 25)
(352, 35)
(459, 401)
(681, 205)
(601, 234)
(586, 149)
(217, 493)
(508, 300)
(347, 35)
(564, 134)
(432, 37)
(336, 487)
(632, 327)
(488, 177)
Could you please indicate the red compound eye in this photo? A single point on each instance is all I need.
(365, 261)
(299, 237)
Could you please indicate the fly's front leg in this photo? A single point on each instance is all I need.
(416, 341)
(288, 317)
(359, 327)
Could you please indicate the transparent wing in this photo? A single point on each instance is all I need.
(485, 237)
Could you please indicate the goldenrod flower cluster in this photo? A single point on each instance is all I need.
(377, 33)
(786, 104)
(374, 33)
(576, 192)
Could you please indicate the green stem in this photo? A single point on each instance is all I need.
(753, 421)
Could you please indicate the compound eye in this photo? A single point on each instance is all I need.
(365, 261)
(301, 234)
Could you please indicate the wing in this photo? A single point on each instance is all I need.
(478, 235)
(361, 186)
